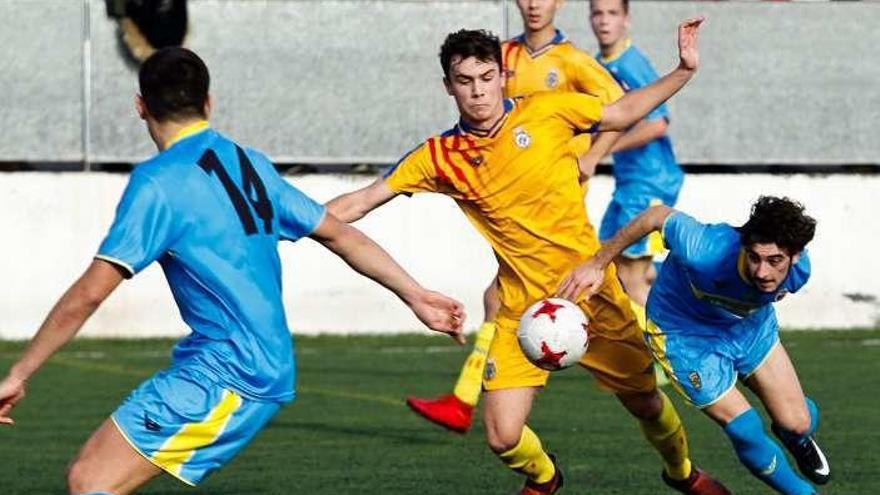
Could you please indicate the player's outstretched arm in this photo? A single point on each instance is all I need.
(355, 205)
(587, 278)
(636, 104)
(435, 310)
(62, 323)
(641, 134)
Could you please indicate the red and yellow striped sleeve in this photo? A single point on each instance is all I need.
(417, 171)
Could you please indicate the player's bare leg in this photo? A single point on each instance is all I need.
(455, 411)
(519, 448)
(636, 275)
(755, 449)
(106, 463)
(795, 417)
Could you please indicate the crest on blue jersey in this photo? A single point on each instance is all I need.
(521, 138)
(552, 79)
(694, 377)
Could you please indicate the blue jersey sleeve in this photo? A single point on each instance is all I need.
(799, 274)
(298, 214)
(143, 229)
(639, 73)
(685, 237)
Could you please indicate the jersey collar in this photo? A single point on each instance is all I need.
(463, 126)
(557, 39)
(616, 55)
(194, 128)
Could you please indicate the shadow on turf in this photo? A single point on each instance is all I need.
(421, 436)
(411, 374)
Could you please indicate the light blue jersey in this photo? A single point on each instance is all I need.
(212, 213)
(704, 283)
(708, 324)
(650, 171)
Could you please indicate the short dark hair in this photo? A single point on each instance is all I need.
(174, 84)
(780, 221)
(466, 43)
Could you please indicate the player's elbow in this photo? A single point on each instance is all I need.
(658, 128)
(347, 208)
(616, 118)
(658, 214)
(87, 299)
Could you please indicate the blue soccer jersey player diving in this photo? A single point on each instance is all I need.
(712, 323)
(211, 213)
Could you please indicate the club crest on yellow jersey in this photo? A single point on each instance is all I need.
(521, 138)
(552, 79)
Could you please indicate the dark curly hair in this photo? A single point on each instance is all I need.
(466, 43)
(780, 221)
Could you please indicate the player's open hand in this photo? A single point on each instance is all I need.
(440, 313)
(583, 282)
(11, 391)
(687, 43)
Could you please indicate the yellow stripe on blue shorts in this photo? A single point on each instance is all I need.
(187, 425)
(181, 447)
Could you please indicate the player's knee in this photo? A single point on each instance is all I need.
(501, 439)
(80, 477)
(796, 420)
(646, 406)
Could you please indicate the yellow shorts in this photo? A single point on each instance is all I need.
(617, 355)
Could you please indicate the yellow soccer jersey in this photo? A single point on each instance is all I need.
(519, 186)
(558, 66)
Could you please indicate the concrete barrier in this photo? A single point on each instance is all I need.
(53, 223)
(337, 81)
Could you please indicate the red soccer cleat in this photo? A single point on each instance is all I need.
(548, 488)
(698, 483)
(447, 411)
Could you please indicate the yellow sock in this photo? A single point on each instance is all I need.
(666, 434)
(470, 381)
(529, 458)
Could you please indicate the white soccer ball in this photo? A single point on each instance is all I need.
(553, 333)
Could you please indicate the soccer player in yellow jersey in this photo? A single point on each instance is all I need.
(508, 165)
(540, 59)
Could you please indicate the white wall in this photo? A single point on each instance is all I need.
(53, 223)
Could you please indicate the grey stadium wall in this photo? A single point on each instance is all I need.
(337, 82)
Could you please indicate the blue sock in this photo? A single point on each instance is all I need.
(764, 458)
(790, 438)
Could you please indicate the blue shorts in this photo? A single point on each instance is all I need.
(704, 363)
(187, 425)
(620, 213)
